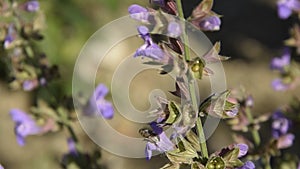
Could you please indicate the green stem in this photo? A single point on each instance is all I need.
(254, 132)
(267, 162)
(191, 83)
(184, 35)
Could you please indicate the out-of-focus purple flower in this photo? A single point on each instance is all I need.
(280, 125)
(279, 63)
(149, 49)
(249, 102)
(174, 29)
(285, 141)
(278, 85)
(10, 37)
(247, 165)
(24, 125)
(29, 85)
(8, 40)
(72, 147)
(298, 166)
(98, 104)
(1, 167)
(233, 112)
(161, 144)
(209, 23)
(243, 149)
(43, 81)
(138, 12)
(286, 7)
(32, 6)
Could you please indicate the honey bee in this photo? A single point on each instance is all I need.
(149, 135)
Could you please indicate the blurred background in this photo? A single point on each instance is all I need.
(251, 34)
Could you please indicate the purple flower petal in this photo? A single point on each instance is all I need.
(100, 91)
(1, 167)
(233, 112)
(278, 85)
(249, 101)
(280, 125)
(138, 12)
(29, 85)
(285, 141)
(283, 11)
(286, 7)
(149, 148)
(24, 125)
(243, 149)
(97, 103)
(153, 51)
(32, 6)
(106, 109)
(163, 144)
(72, 147)
(174, 29)
(210, 23)
(144, 33)
(282, 62)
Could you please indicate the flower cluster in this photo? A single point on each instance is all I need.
(29, 69)
(28, 66)
(289, 73)
(183, 146)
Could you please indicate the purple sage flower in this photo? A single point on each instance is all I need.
(233, 112)
(10, 37)
(29, 85)
(32, 6)
(174, 29)
(285, 141)
(162, 143)
(149, 49)
(72, 147)
(286, 7)
(138, 12)
(1, 167)
(24, 125)
(243, 149)
(247, 165)
(249, 102)
(280, 125)
(278, 85)
(98, 104)
(210, 23)
(279, 63)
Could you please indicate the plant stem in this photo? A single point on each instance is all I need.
(267, 162)
(191, 83)
(184, 35)
(254, 132)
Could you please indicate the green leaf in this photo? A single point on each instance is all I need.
(174, 112)
(171, 166)
(184, 153)
(197, 165)
(193, 139)
(231, 158)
